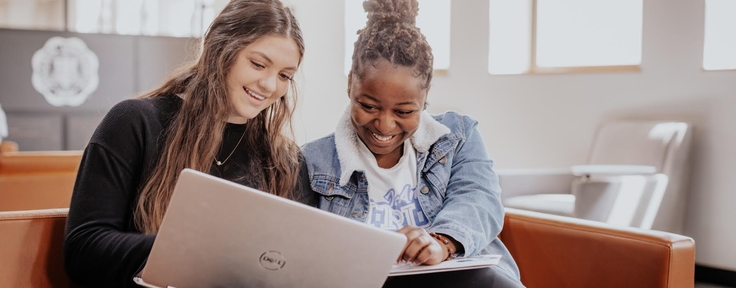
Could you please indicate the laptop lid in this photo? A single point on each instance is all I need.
(217, 233)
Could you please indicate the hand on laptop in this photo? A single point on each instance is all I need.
(421, 248)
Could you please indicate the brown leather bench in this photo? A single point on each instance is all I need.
(552, 251)
(31, 248)
(37, 180)
(556, 251)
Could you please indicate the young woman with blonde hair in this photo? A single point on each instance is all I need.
(228, 114)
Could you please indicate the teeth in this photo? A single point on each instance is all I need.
(259, 97)
(382, 138)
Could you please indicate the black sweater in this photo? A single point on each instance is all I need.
(102, 247)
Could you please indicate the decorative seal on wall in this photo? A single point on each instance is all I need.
(272, 260)
(65, 71)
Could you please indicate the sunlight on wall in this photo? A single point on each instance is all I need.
(509, 36)
(719, 51)
(579, 33)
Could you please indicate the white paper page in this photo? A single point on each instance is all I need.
(474, 262)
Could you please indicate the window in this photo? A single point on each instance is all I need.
(177, 18)
(528, 36)
(433, 20)
(32, 14)
(719, 51)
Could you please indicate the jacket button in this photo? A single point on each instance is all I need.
(443, 161)
(424, 190)
(329, 198)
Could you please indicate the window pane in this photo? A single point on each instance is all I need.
(575, 33)
(176, 18)
(509, 36)
(149, 17)
(719, 52)
(32, 14)
(106, 16)
(128, 17)
(91, 16)
(433, 20)
(208, 15)
(86, 15)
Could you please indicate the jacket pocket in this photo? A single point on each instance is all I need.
(332, 197)
(438, 175)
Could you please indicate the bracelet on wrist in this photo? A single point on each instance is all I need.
(442, 239)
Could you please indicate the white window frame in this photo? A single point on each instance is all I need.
(534, 68)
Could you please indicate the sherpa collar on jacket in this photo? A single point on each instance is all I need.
(346, 141)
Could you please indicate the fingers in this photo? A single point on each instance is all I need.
(420, 247)
(410, 233)
(415, 246)
(429, 256)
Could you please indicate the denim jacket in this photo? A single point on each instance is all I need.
(457, 188)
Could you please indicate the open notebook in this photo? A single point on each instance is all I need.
(475, 262)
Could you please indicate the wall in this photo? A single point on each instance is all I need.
(549, 120)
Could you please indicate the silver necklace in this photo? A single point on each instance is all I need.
(219, 163)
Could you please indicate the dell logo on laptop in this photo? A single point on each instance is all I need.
(272, 260)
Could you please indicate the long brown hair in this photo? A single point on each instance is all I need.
(195, 133)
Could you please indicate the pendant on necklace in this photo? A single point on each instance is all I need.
(219, 163)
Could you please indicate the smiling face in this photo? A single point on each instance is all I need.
(386, 104)
(260, 75)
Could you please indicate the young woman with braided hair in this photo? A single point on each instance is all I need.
(393, 165)
(226, 114)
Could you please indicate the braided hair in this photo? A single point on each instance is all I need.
(391, 33)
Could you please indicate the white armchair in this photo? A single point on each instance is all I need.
(636, 176)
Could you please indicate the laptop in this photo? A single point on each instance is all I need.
(217, 233)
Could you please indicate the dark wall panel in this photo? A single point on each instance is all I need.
(116, 56)
(16, 51)
(160, 56)
(36, 131)
(79, 129)
(128, 65)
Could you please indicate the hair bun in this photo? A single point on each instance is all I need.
(405, 11)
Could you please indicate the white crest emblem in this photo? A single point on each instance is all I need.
(65, 71)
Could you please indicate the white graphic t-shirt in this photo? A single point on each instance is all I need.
(393, 199)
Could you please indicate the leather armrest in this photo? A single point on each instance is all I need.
(33, 162)
(37, 180)
(557, 251)
(519, 182)
(31, 248)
